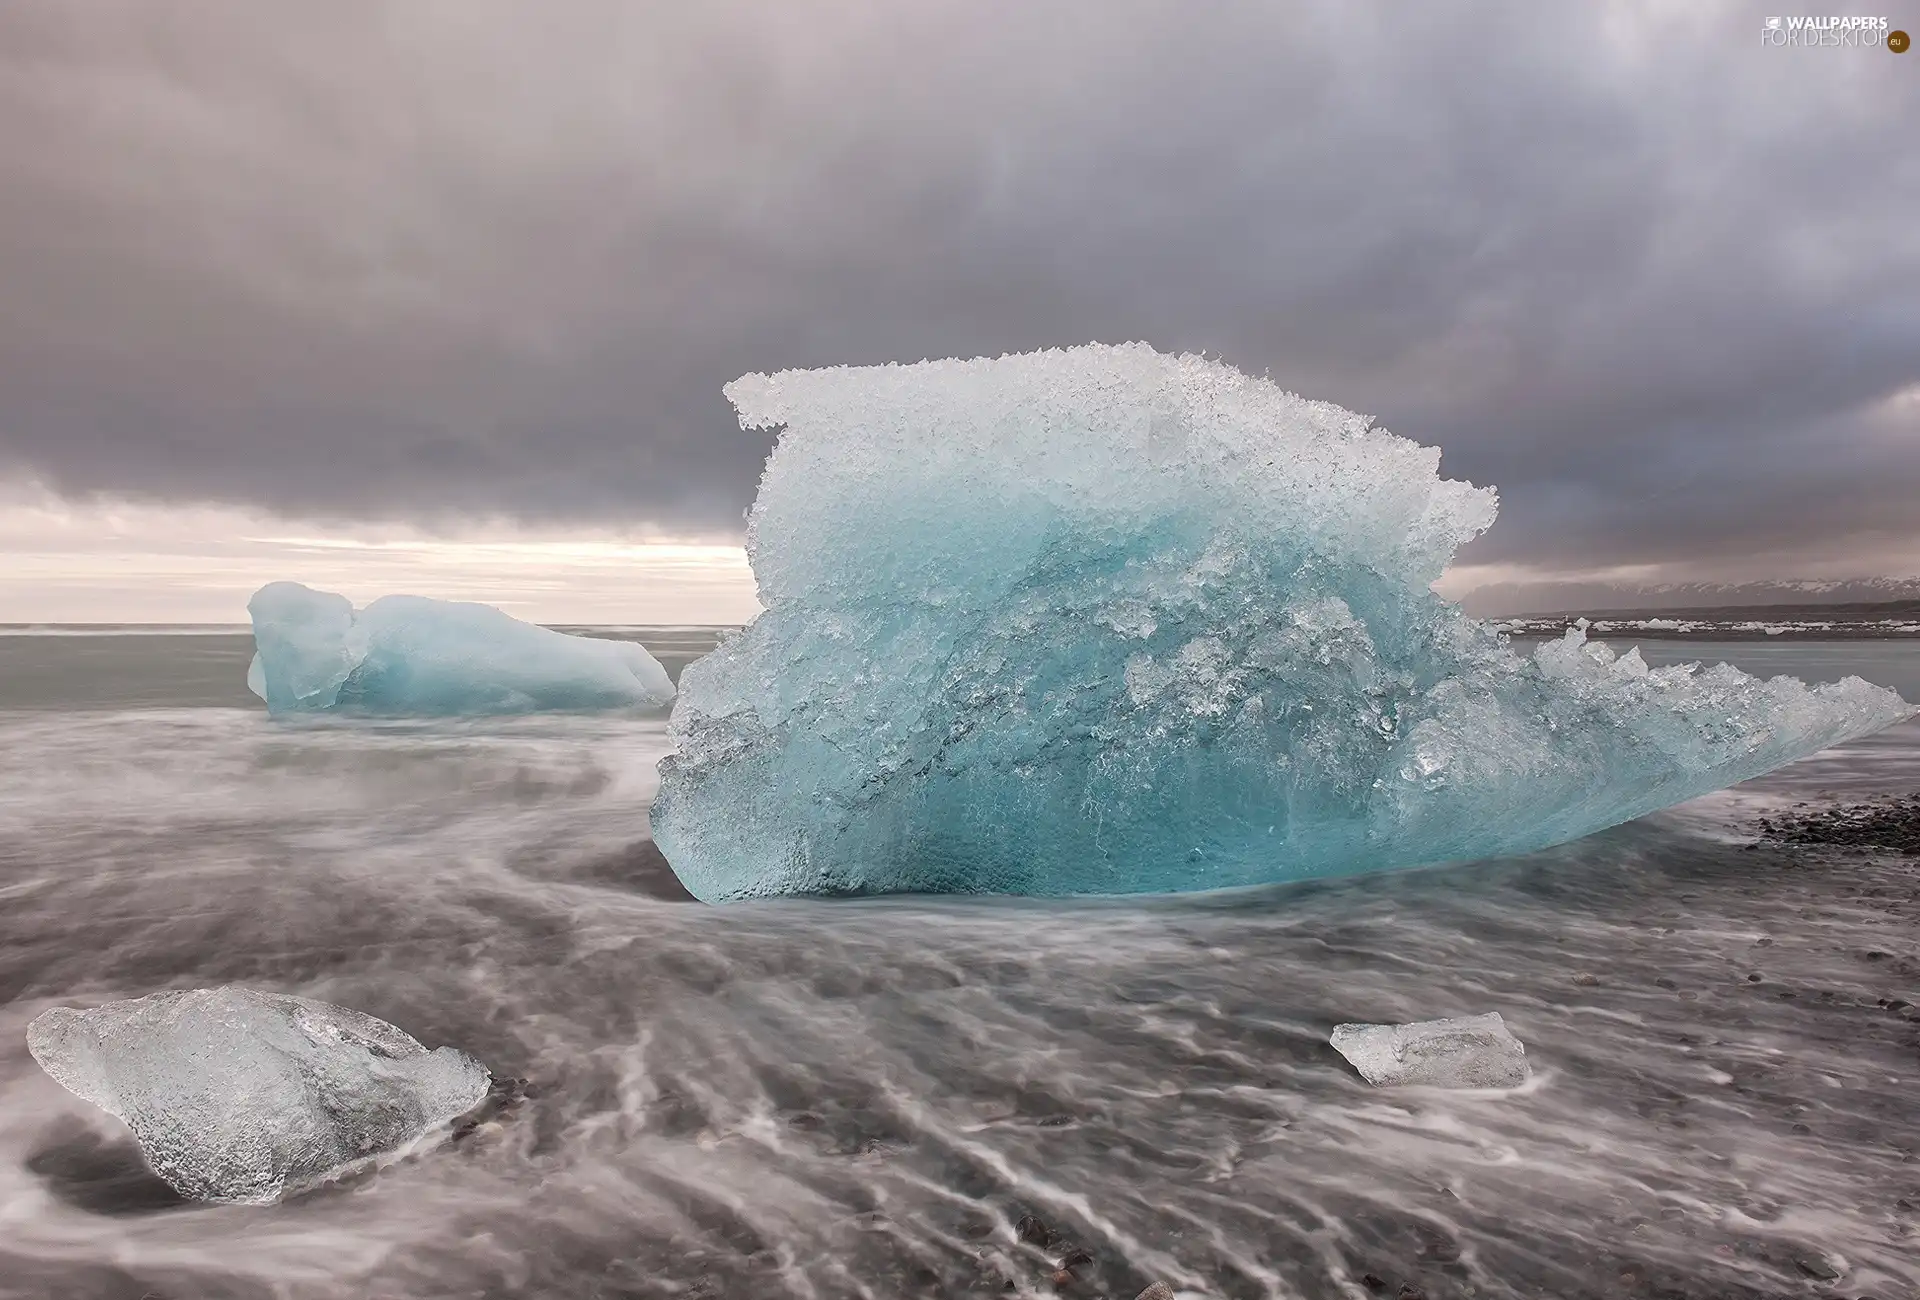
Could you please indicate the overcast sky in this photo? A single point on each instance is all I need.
(366, 275)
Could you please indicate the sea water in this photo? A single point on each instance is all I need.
(839, 1099)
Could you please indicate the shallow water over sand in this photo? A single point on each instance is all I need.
(866, 1099)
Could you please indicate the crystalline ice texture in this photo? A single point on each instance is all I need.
(1109, 621)
(411, 655)
(1467, 1052)
(241, 1096)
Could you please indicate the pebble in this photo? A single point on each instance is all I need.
(503, 1098)
(1887, 824)
(1817, 1266)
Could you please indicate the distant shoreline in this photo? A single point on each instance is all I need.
(1893, 621)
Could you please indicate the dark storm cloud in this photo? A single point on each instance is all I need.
(1657, 282)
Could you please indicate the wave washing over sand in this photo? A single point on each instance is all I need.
(871, 1098)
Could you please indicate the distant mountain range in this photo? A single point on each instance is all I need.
(1502, 599)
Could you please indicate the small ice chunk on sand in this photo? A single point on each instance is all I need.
(1464, 1052)
(241, 1096)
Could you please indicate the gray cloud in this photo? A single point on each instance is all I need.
(1655, 281)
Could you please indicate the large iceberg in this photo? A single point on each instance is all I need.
(411, 655)
(241, 1096)
(1108, 621)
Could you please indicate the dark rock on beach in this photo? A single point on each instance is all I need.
(1030, 1230)
(1890, 825)
(502, 1099)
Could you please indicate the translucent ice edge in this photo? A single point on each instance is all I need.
(408, 655)
(242, 1096)
(1109, 621)
(1462, 1052)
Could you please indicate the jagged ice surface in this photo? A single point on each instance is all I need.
(1104, 620)
(242, 1096)
(412, 655)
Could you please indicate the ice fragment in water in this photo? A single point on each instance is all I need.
(1465, 1052)
(241, 1096)
(411, 655)
(1109, 621)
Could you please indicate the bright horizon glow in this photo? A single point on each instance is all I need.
(110, 561)
(117, 561)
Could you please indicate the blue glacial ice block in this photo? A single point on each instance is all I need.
(411, 656)
(1108, 621)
